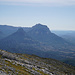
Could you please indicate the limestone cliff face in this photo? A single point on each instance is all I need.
(23, 64)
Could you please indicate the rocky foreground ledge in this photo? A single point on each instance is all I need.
(23, 64)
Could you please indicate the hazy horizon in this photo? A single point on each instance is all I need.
(35, 24)
(56, 14)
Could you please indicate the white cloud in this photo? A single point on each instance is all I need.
(43, 2)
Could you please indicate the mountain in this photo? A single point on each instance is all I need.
(60, 47)
(20, 42)
(43, 34)
(24, 64)
(1, 35)
(8, 30)
(68, 35)
(61, 32)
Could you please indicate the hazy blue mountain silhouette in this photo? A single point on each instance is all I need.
(20, 42)
(8, 30)
(39, 41)
(1, 35)
(43, 34)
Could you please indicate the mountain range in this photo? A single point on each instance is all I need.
(38, 40)
(20, 42)
(68, 35)
(43, 34)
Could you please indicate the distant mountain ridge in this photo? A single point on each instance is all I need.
(68, 35)
(38, 40)
(21, 42)
(43, 34)
(8, 30)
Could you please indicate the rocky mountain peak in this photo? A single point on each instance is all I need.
(41, 29)
(40, 26)
(21, 33)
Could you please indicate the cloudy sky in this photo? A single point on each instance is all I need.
(56, 14)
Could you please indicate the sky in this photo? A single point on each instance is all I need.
(56, 14)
